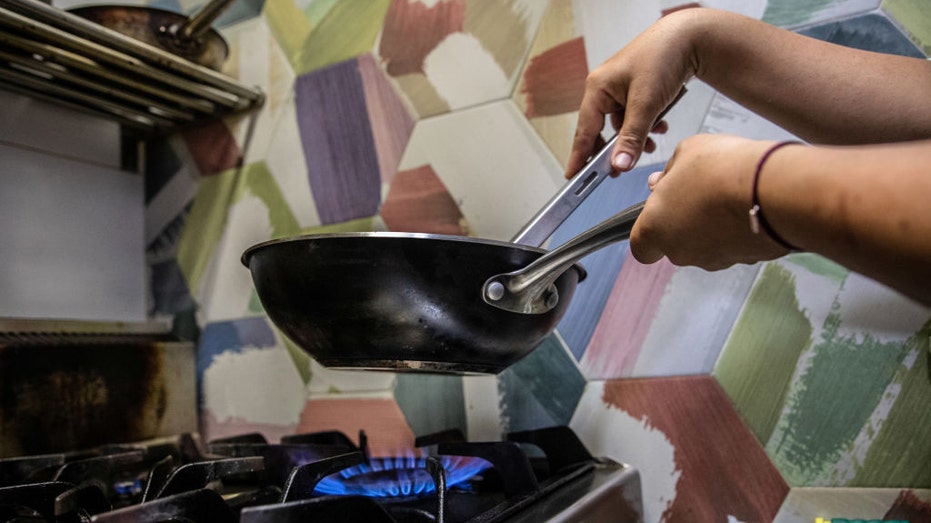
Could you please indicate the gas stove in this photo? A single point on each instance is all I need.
(529, 476)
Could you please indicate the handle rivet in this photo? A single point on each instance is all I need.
(494, 291)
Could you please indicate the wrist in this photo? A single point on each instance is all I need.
(759, 224)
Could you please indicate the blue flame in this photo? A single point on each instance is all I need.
(406, 476)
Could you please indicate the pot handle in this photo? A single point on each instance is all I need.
(532, 290)
(199, 23)
(576, 190)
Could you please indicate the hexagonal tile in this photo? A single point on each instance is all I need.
(697, 460)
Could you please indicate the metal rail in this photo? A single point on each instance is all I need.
(63, 57)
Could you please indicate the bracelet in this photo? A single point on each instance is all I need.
(757, 220)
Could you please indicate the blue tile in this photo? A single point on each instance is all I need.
(232, 336)
(872, 32)
(542, 389)
(239, 11)
(612, 196)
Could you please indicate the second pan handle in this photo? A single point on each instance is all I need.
(531, 290)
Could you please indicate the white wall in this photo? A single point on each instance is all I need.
(71, 223)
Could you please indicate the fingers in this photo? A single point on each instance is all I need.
(642, 249)
(654, 179)
(595, 105)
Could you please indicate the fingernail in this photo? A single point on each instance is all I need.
(623, 161)
(651, 181)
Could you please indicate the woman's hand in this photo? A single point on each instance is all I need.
(633, 87)
(698, 212)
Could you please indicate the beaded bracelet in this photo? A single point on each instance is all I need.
(757, 220)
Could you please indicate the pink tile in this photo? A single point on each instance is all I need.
(212, 146)
(626, 319)
(554, 81)
(724, 470)
(909, 507)
(391, 122)
(419, 202)
(412, 29)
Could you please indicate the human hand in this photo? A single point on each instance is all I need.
(697, 213)
(633, 87)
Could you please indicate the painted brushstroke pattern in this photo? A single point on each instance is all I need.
(205, 225)
(915, 17)
(900, 448)
(554, 81)
(694, 319)
(419, 202)
(585, 312)
(759, 360)
(557, 26)
(793, 13)
(256, 59)
(806, 504)
(909, 507)
(609, 431)
(542, 389)
(382, 420)
(707, 433)
(431, 403)
(839, 399)
(463, 72)
(257, 212)
(348, 30)
(289, 26)
(391, 123)
(422, 95)
(212, 147)
(871, 32)
(617, 341)
(826, 414)
(231, 336)
(336, 135)
(504, 28)
(230, 383)
(412, 29)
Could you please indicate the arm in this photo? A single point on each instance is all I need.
(821, 92)
(864, 207)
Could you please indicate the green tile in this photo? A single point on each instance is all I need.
(542, 389)
(431, 403)
(915, 17)
(760, 357)
(900, 454)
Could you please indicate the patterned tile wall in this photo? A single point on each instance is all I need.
(771, 392)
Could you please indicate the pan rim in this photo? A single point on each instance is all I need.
(247, 254)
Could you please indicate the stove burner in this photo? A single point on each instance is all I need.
(395, 477)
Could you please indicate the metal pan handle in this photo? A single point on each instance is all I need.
(576, 190)
(531, 290)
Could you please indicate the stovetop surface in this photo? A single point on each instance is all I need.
(539, 475)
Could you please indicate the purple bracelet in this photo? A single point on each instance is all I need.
(757, 220)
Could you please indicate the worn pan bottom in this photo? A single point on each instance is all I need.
(399, 302)
(414, 366)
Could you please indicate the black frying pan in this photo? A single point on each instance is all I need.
(425, 302)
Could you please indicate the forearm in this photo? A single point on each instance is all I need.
(821, 92)
(865, 207)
